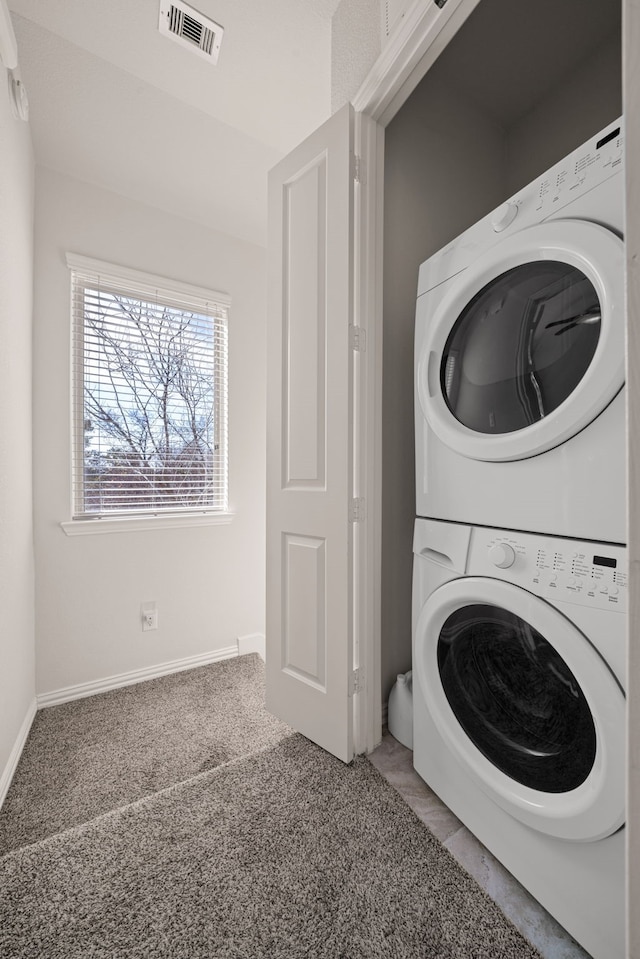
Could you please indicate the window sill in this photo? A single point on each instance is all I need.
(136, 524)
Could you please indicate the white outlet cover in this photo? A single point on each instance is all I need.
(149, 616)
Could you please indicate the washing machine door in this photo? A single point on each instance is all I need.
(526, 347)
(526, 704)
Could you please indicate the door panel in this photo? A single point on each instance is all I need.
(309, 438)
(304, 326)
(304, 634)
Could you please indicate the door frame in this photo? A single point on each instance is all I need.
(422, 34)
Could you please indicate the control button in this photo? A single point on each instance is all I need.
(502, 555)
(572, 581)
(613, 591)
(504, 216)
(604, 589)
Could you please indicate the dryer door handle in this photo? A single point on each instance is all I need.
(432, 373)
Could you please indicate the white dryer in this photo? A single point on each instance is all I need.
(520, 357)
(519, 709)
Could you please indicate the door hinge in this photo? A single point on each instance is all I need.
(357, 509)
(358, 339)
(358, 168)
(357, 680)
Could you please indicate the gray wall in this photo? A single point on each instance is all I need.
(431, 195)
(588, 101)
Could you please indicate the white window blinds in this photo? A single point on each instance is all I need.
(149, 393)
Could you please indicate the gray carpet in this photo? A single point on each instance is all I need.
(91, 755)
(286, 854)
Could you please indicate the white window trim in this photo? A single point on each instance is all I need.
(83, 526)
(152, 280)
(135, 524)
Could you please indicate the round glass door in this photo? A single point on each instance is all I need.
(520, 347)
(525, 346)
(526, 704)
(516, 698)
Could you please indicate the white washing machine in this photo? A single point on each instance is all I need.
(519, 709)
(520, 356)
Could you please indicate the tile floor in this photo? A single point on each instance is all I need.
(395, 762)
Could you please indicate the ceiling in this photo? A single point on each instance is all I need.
(115, 103)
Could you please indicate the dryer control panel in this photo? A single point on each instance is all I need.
(573, 571)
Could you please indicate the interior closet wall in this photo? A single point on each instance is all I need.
(431, 195)
(589, 99)
(448, 162)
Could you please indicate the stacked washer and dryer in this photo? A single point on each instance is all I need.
(520, 565)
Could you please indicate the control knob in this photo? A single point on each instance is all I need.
(502, 555)
(504, 216)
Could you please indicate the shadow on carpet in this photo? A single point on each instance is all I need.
(285, 854)
(92, 755)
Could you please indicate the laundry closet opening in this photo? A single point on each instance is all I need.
(518, 88)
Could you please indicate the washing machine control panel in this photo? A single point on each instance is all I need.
(574, 571)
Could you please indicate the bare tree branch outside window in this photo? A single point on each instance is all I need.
(151, 410)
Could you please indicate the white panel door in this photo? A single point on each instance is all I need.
(309, 664)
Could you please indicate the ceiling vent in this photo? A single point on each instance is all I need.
(191, 29)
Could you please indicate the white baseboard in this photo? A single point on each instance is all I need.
(82, 690)
(16, 752)
(254, 643)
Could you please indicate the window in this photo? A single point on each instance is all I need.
(149, 394)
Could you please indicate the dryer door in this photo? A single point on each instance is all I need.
(526, 704)
(527, 346)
